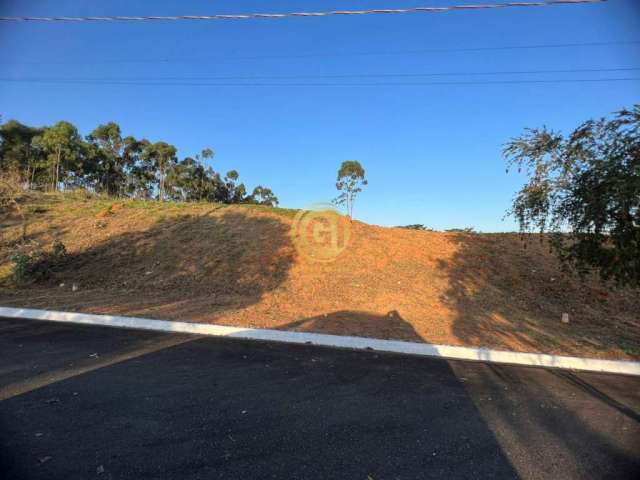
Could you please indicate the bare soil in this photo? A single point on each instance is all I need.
(238, 265)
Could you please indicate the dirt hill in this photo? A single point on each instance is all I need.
(238, 265)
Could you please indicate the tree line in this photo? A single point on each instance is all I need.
(57, 157)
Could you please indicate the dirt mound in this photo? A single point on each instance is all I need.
(238, 265)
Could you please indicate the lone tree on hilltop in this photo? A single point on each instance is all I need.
(584, 189)
(349, 183)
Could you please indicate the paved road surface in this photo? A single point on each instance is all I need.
(93, 402)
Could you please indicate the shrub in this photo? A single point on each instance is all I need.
(38, 265)
(462, 230)
(23, 265)
(59, 250)
(10, 192)
(10, 188)
(417, 226)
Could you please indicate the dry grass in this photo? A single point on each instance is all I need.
(236, 265)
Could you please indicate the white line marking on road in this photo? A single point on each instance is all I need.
(336, 341)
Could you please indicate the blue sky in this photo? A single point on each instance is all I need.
(431, 152)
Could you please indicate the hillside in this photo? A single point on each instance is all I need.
(237, 265)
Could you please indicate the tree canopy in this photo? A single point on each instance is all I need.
(584, 189)
(349, 183)
(57, 157)
(60, 145)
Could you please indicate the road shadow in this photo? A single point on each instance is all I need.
(591, 419)
(188, 264)
(222, 408)
(510, 295)
(359, 324)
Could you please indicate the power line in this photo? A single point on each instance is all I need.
(441, 50)
(309, 84)
(342, 75)
(251, 16)
(329, 54)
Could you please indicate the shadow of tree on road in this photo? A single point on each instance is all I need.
(530, 408)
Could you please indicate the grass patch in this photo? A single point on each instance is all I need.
(284, 212)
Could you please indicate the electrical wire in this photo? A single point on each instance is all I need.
(310, 84)
(251, 16)
(343, 75)
(323, 54)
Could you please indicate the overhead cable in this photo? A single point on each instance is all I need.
(331, 13)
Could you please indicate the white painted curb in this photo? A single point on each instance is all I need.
(357, 343)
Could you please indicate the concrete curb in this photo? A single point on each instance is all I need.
(336, 341)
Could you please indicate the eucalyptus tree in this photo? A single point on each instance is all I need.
(16, 151)
(351, 179)
(115, 165)
(140, 174)
(62, 145)
(163, 157)
(110, 161)
(263, 196)
(231, 191)
(206, 176)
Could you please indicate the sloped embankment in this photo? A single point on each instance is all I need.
(237, 265)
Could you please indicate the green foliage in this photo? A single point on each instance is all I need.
(351, 179)
(416, 226)
(467, 230)
(206, 154)
(11, 189)
(23, 264)
(110, 158)
(58, 250)
(162, 157)
(107, 163)
(584, 189)
(230, 191)
(38, 265)
(62, 145)
(17, 153)
(264, 196)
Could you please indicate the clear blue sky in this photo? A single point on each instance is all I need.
(432, 153)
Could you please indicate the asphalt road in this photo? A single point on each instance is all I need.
(92, 402)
